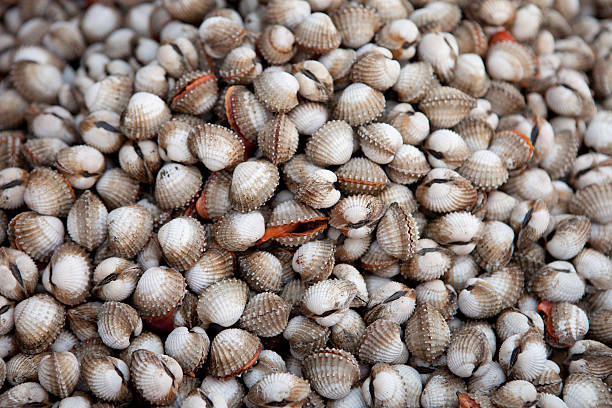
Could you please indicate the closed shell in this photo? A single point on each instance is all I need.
(427, 335)
(68, 274)
(36, 235)
(216, 146)
(331, 372)
(397, 232)
(143, 116)
(87, 221)
(359, 104)
(38, 321)
(176, 185)
(106, 377)
(253, 183)
(58, 373)
(159, 290)
(189, 347)
(223, 302)
(48, 193)
(157, 377)
(129, 229)
(232, 352)
(182, 241)
(446, 106)
(266, 315)
(117, 322)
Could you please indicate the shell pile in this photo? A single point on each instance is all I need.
(306, 203)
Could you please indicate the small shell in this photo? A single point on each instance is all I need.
(430, 261)
(87, 221)
(443, 190)
(598, 324)
(356, 215)
(59, 373)
(314, 260)
(467, 352)
(18, 274)
(48, 193)
(253, 183)
(517, 393)
(266, 315)
(397, 233)
(470, 75)
(143, 116)
(68, 274)
(356, 24)
(277, 90)
(496, 246)
(42, 152)
(385, 386)
(317, 33)
(558, 282)
(327, 301)
(141, 160)
(107, 377)
(182, 241)
(376, 70)
(427, 335)
(379, 142)
(318, 190)
(400, 37)
(214, 200)
(592, 201)
(361, 176)
(565, 323)
(441, 51)
(279, 388)
(414, 82)
(36, 82)
(305, 336)
(408, 166)
(359, 104)
(157, 377)
(504, 97)
(223, 302)
(278, 139)
(117, 322)
(413, 126)
(117, 188)
(331, 372)
(459, 231)
(220, 35)
(331, 144)
(110, 94)
(129, 229)
(446, 106)
(115, 279)
(232, 352)
(195, 93)
(485, 170)
(188, 347)
(441, 389)
(33, 332)
(239, 66)
(216, 146)
(262, 271)
(595, 267)
(245, 113)
(159, 291)
(276, 44)
(569, 237)
(511, 61)
(176, 185)
(36, 235)
(236, 231)
(393, 301)
(583, 390)
(446, 148)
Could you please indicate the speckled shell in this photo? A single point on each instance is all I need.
(143, 116)
(583, 390)
(117, 188)
(361, 176)
(266, 315)
(38, 321)
(236, 231)
(182, 241)
(427, 335)
(382, 342)
(216, 146)
(176, 185)
(278, 139)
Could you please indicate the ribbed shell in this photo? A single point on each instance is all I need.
(397, 232)
(485, 170)
(129, 229)
(216, 146)
(279, 388)
(277, 90)
(115, 279)
(414, 82)
(359, 104)
(189, 347)
(223, 302)
(468, 352)
(305, 336)
(314, 260)
(182, 241)
(232, 352)
(236, 231)
(317, 33)
(18, 274)
(585, 391)
(117, 322)
(38, 321)
(278, 139)
(143, 116)
(331, 372)
(266, 315)
(244, 112)
(159, 290)
(195, 93)
(157, 377)
(382, 342)
(87, 221)
(357, 24)
(361, 176)
(331, 144)
(176, 185)
(444, 190)
(68, 274)
(427, 335)
(594, 202)
(107, 377)
(117, 188)
(446, 106)
(48, 193)
(558, 282)
(262, 271)
(253, 183)
(59, 372)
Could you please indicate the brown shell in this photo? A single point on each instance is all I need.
(278, 139)
(446, 106)
(48, 193)
(232, 352)
(361, 176)
(38, 321)
(195, 93)
(317, 33)
(331, 372)
(427, 335)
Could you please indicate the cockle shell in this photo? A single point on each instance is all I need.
(439, 109)
(18, 274)
(159, 290)
(331, 372)
(427, 334)
(129, 229)
(48, 193)
(58, 373)
(68, 274)
(232, 352)
(107, 377)
(266, 315)
(143, 116)
(223, 302)
(157, 377)
(87, 221)
(117, 322)
(38, 321)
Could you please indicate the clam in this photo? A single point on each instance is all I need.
(129, 229)
(36, 235)
(223, 302)
(359, 104)
(58, 373)
(182, 241)
(232, 352)
(331, 372)
(189, 347)
(87, 221)
(216, 146)
(117, 322)
(157, 377)
(143, 116)
(266, 315)
(38, 321)
(68, 274)
(176, 185)
(107, 377)
(18, 274)
(48, 193)
(115, 279)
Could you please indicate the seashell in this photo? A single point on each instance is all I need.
(236, 231)
(583, 390)
(13, 184)
(315, 82)
(216, 146)
(490, 378)
(189, 11)
(26, 393)
(13, 111)
(239, 66)
(446, 106)
(594, 267)
(480, 400)
(558, 282)
(441, 51)
(189, 347)
(176, 185)
(357, 24)
(276, 44)
(110, 94)
(18, 274)
(446, 148)
(393, 301)
(438, 295)
(379, 142)
(504, 97)
(400, 194)
(115, 279)
(277, 90)
(414, 82)
(384, 386)
(317, 33)
(278, 139)
(356, 215)
(427, 334)
(42, 152)
(570, 95)
(38, 321)
(379, 262)
(279, 388)
(220, 35)
(530, 219)
(117, 188)
(172, 139)
(430, 261)
(589, 357)
(314, 260)
(305, 336)
(467, 352)
(565, 323)
(516, 393)
(470, 75)
(347, 333)
(36, 82)
(48, 193)
(269, 362)
(214, 200)
(143, 116)
(592, 202)
(413, 126)
(157, 377)
(495, 247)
(408, 166)
(511, 61)
(523, 356)
(359, 104)
(223, 302)
(318, 190)
(397, 233)
(87, 221)
(266, 315)
(485, 170)
(36, 235)
(22, 368)
(58, 373)
(331, 144)
(399, 36)
(183, 241)
(83, 320)
(599, 327)
(476, 132)
(443, 190)
(376, 70)
(511, 322)
(68, 274)
(331, 372)
(253, 183)
(129, 229)
(514, 148)
(232, 352)
(262, 271)
(464, 268)
(569, 236)
(177, 56)
(106, 377)
(327, 301)
(245, 113)
(440, 389)
(351, 274)
(117, 322)
(140, 160)
(194, 93)
(361, 176)
(159, 290)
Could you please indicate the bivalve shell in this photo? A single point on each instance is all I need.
(232, 352)
(182, 241)
(48, 193)
(129, 229)
(176, 185)
(331, 372)
(68, 274)
(58, 373)
(36, 235)
(117, 322)
(107, 377)
(38, 321)
(143, 116)
(266, 315)
(159, 290)
(223, 302)
(253, 183)
(216, 146)
(189, 347)
(446, 106)
(157, 377)
(359, 104)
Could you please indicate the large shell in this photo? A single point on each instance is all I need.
(467, 352)
(443, 190)
(314, 260)
(58, 373)
(38, 321)
(236, 231)
(277, 90)
(583, 390)
(317, 33)
(382, 342)
(361, 176)
(262, 271)
(278, 139)
(331, 144)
